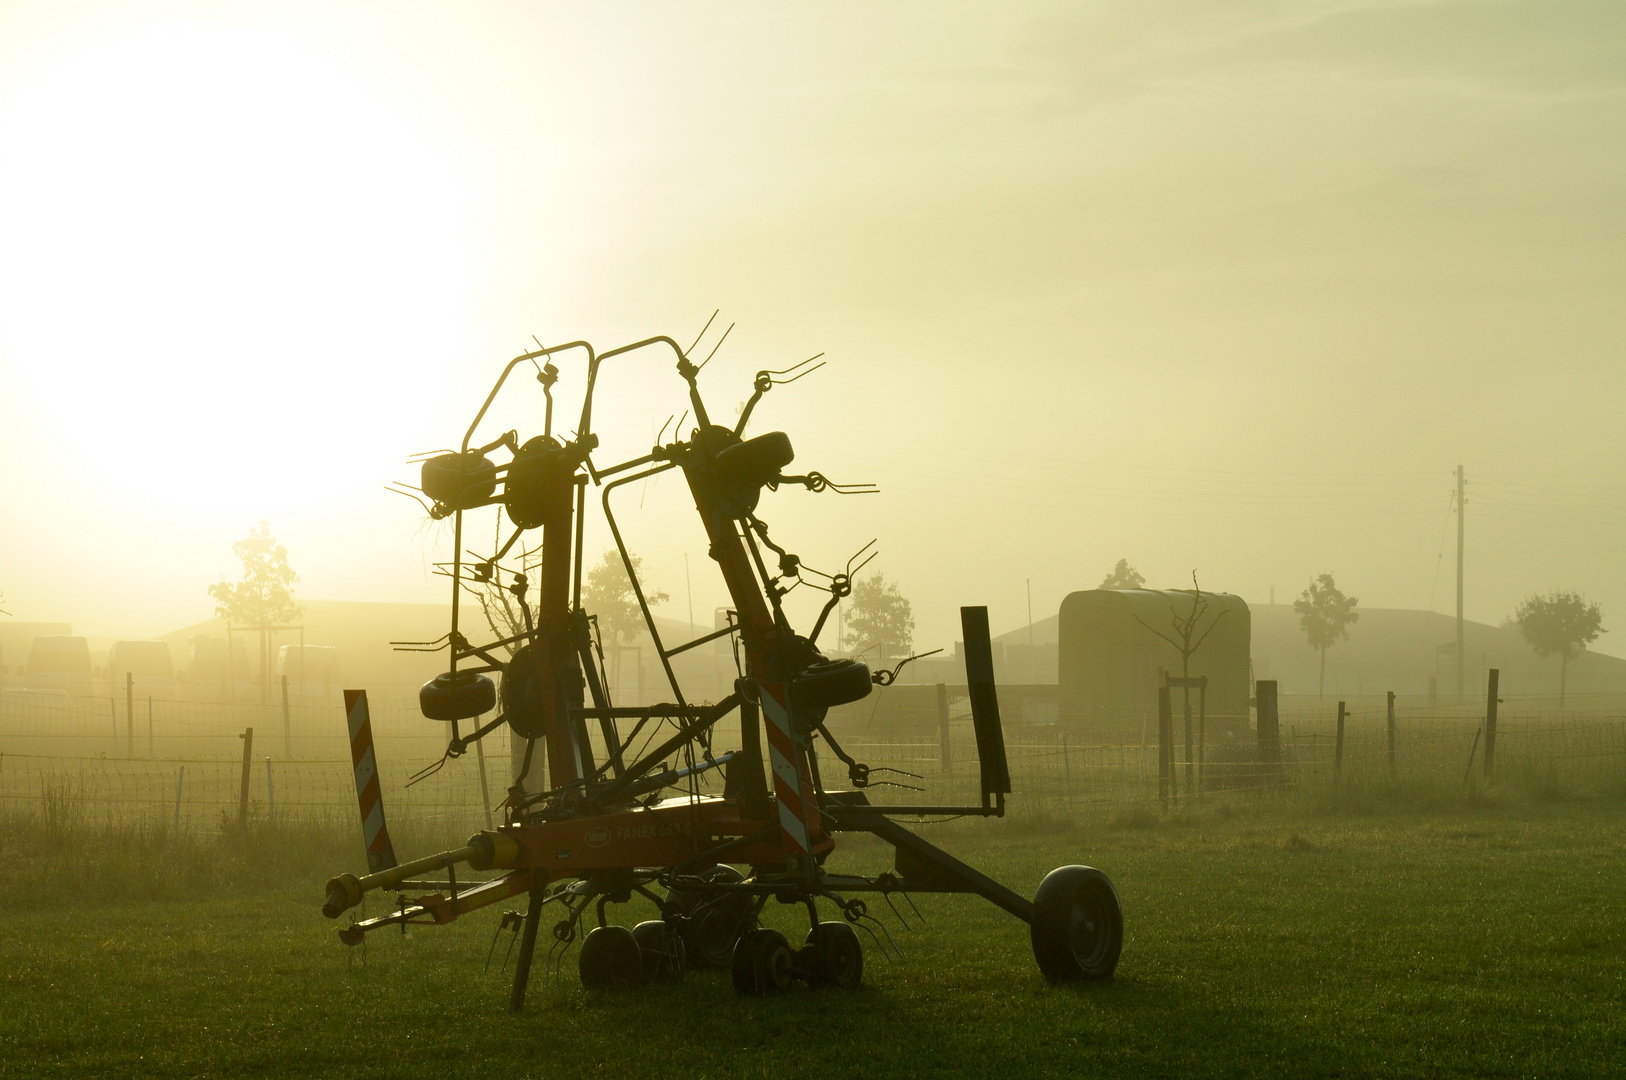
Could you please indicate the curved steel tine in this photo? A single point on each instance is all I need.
(901, 920)
(911, 903)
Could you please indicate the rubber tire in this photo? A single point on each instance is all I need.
(709, 936)
(610, 959)
(827, 683)
(838, 955)
(756, 461)
(1078, 925)
(763, 963)
(462, 697)
(460, 481)
(662, 949)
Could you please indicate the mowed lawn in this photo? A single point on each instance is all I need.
(1260, 941)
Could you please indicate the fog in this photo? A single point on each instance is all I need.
(1227, 292)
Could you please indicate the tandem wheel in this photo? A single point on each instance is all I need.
(610, 959)
(762, 962)
(1078, 927)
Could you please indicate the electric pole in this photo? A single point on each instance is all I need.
(1460, 667)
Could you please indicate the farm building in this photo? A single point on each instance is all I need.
(1109, 659)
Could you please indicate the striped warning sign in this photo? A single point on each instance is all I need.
(793, 789)
(380, 852)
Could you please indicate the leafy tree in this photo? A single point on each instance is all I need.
(1325, 615)
(1123, 576)
(1562, 623)
(265, 596)
(607, 593)
(880, 619)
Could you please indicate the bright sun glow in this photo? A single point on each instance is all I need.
(220, 251)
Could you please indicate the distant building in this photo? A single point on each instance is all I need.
(1109, 660)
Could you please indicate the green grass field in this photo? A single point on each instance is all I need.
(1264, 937)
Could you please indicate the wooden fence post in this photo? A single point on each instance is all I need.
(943, 727)
(1067, 772)
(180, 780)
(1165, 745)
(248, 759)
(1491, 700)
(1269, 730)
(1338, 751)
(1394, 736)
(287, 729)
(129, 714)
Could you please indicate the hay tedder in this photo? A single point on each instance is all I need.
(637, 821)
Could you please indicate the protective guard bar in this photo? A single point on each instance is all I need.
(979, 677)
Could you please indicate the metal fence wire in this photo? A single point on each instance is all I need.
(185, 766)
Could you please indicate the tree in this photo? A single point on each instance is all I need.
(607, 593)
(880, 619)
(1560, 622)
(265, 596)
(1325, 615)
(1123, 576)
(1184, 630)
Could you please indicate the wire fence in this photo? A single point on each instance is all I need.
(185, 767)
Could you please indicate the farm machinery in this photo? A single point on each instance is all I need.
(627, 817)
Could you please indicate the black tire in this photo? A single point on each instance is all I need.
(457, 697)
(460, 481)
(610, 959)
(828, 683)
(756, 461)
(713, 921)
(522, 694)
(662, 950)
(837, 956)
(1078, 927)
(762, 962)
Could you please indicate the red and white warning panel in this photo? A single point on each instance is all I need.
(793, 789)
(380, 852)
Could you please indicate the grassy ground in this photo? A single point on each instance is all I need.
(1263, 938)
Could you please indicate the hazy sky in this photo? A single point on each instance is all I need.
(1231, 287)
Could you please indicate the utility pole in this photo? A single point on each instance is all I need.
(1461, 665)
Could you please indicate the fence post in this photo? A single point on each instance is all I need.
(1123, 770)
(129, 714)
(180, 779)
(943, 726)
(1165, 745)
(1394, 736)
(287, 729)
(1491, 700)
(485, 791)
(1338, 750)
(270, 795)
(1269, 729)
(248, 758)
(1067, 772)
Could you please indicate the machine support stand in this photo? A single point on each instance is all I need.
(527, 944)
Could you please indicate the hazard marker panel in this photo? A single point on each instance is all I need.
(380, 852)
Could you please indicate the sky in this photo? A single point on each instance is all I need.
(1219, 288)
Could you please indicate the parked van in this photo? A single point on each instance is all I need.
(148, 661)
(59, 662)
(209, 667)
(312, 670)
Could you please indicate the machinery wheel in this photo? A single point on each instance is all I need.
(460, 481)
(457, 697)
(714, 921)
(1078, 927)
(610, 959)
(762, 962)
(662, 950)
(828, 683)
(837, 957)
